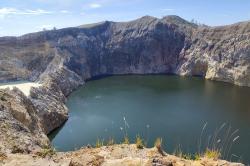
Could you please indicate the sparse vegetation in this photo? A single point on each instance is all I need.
(46, 152)
(158, 143)
(212, 154)
(197, 156)
(124, 130)
(215, 147)
(219, 144)
(126, 140)
(99, 143)
(178, 152)
(139, 142)
(111, 141)
(187, 156)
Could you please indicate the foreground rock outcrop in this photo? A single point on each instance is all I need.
(20, 127)
(115, 155)
(62, 60)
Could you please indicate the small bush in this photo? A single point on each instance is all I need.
(46, 152)
(212, 154)
(139, 142)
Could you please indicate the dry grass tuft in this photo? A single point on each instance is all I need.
(126, 140)
(99, 143)
(111, 141)
(158, 145)
(212, 154)
(139, 142)
(46, 152)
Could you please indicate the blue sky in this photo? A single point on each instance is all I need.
(18, 17)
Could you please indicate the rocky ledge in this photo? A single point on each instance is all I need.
(115, 155)
(62, 60)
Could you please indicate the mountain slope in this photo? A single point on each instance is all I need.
(145, 45)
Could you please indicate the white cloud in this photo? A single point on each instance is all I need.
(95, 5)
(36, 12)
(7, 11)
(65, 11)
(13, 11)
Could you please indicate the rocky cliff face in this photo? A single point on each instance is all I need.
(147, 45)
(63, 59)
(219, 53)
(20, 128)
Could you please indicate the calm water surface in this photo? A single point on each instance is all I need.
(170, 107)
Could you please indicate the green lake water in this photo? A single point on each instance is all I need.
(174, 108)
